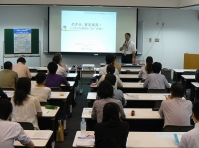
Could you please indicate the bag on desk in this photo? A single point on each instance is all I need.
(60, 132)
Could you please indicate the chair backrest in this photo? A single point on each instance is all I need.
(27, 125)
(157, 91)
(56, 89)
(44, 103)
(189, 73)
(8, 89)
(177, 128)
(33, 70)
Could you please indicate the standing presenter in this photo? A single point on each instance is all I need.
(129, 49)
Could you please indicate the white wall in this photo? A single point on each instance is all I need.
(180, 34)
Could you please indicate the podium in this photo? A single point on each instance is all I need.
(191, 61)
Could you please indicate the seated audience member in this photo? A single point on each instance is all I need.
(190, 139)
(156, 80)
(116, 64)
(21, 69)
(117, 94)
(2, 94)
(8, 78)
(109, 61)
(111, 126)
(110, 69)
(106, 143)
(53, 79)
(147, 69)
(11, 131)
(26, 108)
(65, 66)
(40, 90)
(175, 110)
(61, 70)
(105, 92)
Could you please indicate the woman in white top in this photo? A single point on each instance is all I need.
(111, 70)
(61, 70)
(26, 108)
(40, 90)
(145, 70)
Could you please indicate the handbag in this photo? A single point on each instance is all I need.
(60, 132)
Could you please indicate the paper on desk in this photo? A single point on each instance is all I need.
(40, 134)
(9, 93)
(87, 111)
(164, 135)
(86, 141)
(155, 96)
(133, 96)
(54, 95)
(46, 112)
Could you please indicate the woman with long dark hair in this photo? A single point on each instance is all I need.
(26, 108)
(147, 69)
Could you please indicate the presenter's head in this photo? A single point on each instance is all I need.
(156, 67)
(127, 36)
(109, 59)
(52, 67)
(22, 60)
(8, 65)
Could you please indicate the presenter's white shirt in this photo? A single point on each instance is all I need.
(61, 71)
(129, 48)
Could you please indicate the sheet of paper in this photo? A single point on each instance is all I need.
(133, 96)
(87, 111)
(55, 94)
(47, 112)
(40, 134)
(86, 141)
(9, 93)
(155, 96)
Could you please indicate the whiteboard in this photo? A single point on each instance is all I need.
(30, 61)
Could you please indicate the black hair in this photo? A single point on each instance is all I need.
(105, 90)
(106, 143)
(21, 59)
(110, 69)
(5, 109)
(58, 54)
(109, 59)
(156, 67)
(111, 78)
(114, 55)
(52, 67)
(149, 62)
(128, 34)
(7, 65)
(177, 90)
(40, 77)
(56, 59)
(22, 90)
(195, 109)
(111, 112)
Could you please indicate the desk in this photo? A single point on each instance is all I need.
(145, 139)
(178, 72)
(186, 81)
(127, 77)
(194, 91)
(37, 142)
(125, 70)
(144, 120)
(134, 100)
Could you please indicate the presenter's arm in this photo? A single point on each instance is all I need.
(133, 57)
(121, 48)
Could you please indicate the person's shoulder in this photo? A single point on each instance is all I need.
(46, 88)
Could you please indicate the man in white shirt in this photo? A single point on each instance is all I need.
(129, 50)
(61, 70)
(21, 69)
(190, 139)
(109, 60)
(175, 110)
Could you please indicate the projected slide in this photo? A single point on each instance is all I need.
(88, 31)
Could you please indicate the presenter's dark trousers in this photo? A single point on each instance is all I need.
(126, 58)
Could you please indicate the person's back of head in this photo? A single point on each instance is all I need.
(177, 90)
(195, 110)
(149, 62)
(110, 69)
(40, 78)
(109, 59)
(5, 109)
(156, 67)
(111, 78)
(22, 90)
(52, 67)
(56, 59)
(105, 90)
(106, 143)
(22, 60)
(114, 55)
(7, 65)
(111, 112)
(58, 54)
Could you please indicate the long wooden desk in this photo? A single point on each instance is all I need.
(145, 139)
(134, 100)
(125, 70)
(186, 81)
(144, 119)
(178, 72)
(37, 142)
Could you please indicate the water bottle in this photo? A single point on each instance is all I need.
(83, 128)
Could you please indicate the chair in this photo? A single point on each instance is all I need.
(33, 70)
(177, 128)
(56, 89)
(44, 103)
(12, 89)
(27, 125)
(157, 91)
(188, 73)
